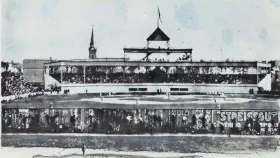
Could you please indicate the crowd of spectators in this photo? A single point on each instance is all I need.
(123, 121)
(261, 91)
(159, 77)
(13, 84)
(213, 78)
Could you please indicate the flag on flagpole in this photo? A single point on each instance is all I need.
(159, 15)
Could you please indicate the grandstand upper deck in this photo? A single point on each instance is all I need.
(94, 71)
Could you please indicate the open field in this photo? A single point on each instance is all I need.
(153, 102)
(181, 143)
(236, 146)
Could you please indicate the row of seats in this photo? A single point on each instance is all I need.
(159, 78)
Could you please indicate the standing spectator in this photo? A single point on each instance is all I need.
(83, 149)
(272, 121)
(193, 120)
(212, 127)
(203, 121)
(257, 126)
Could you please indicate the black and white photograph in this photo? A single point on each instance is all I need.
(140, 79)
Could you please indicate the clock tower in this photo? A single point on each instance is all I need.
(92, 50)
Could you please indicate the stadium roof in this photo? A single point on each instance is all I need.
(156, 50)
(158, 35)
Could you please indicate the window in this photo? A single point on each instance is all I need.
(132, 89)
(142, 89)
(174, 89)
(184, 89)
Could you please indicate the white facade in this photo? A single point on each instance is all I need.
(154, 87)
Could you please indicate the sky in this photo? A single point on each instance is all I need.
(215, 30)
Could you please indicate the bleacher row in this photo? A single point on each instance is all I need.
(159, 78)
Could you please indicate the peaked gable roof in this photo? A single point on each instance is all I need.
(158, 35)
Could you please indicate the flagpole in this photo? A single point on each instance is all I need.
(158, 18)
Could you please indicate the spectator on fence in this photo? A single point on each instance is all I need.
(212, 127)
(222, 129)
(173, 121)
(246, 126)
(251, 122)
(193, 120)
(272, 121)
(257, 127)
(120, 123)
(72, 120)
(266, 130)
(203, 121)
(234, 129)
